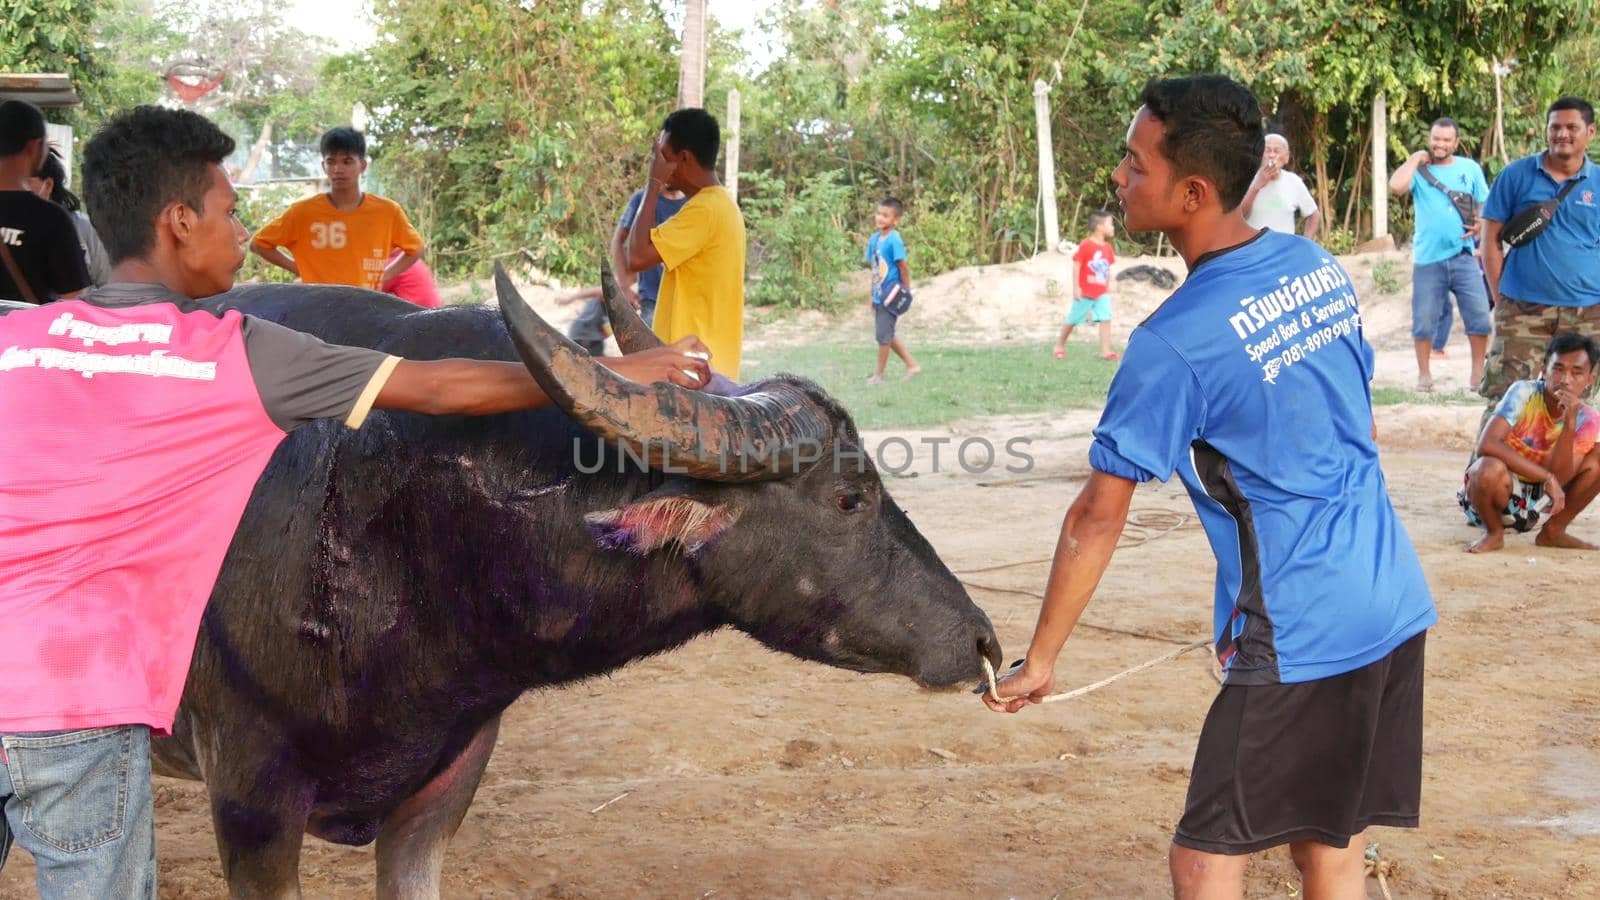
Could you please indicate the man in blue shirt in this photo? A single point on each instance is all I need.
(1442, 254)
(1552, 284)
(589, 329)
(1251, 382)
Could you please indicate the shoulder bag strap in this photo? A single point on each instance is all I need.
(16, 275)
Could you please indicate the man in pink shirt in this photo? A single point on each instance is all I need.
(135, 424)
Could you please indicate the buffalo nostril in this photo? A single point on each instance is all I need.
(989, 648)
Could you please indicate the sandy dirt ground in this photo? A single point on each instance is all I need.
(732, 771)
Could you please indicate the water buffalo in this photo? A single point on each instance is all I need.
(392, 590)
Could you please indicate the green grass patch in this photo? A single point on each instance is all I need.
(960, 382)
(1393, 396)
(957, 382)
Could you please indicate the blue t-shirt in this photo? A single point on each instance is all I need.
(650, 279)
(884, 253)
(1439, 226)
(1562, 265)
(1250, 382)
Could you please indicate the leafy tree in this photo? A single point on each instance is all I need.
(518, 130)
(93, 42)
(276, 83)
(801, 242)
(1317, 64)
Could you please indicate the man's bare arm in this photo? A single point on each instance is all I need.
(1492, 443)
(626, 278)
(1400, 181)
(1249, 200)
(392, 271)
(1313, 224)
(1494, 258)
(478, 388)
(275, 256)
(1088, 538)
(642, 254)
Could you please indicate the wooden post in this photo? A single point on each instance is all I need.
(692, 62)
(1380, 166)
(1047, 165)
(731, 129)
(1501, 70)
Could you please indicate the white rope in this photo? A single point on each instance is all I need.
(994, 688)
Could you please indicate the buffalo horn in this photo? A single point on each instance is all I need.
(631, 332)
(759, 436)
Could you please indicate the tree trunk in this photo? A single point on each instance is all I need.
(1355, 181)
(1319, 154)
(692, 62)
(247, 175)
(1499, 69)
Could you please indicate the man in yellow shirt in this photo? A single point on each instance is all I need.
(702, 247)
(344, 236)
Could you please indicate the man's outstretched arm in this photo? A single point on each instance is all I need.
(1088, 538)
(477, 388)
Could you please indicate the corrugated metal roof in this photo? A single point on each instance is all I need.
(46, 90)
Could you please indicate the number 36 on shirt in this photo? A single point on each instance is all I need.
(328, 235)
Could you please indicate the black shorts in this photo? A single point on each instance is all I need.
(1315, 761)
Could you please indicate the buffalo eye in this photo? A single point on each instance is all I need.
(849, 501)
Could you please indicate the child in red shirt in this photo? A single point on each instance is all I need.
(1093, 265)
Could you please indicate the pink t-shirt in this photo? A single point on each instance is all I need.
(131, 438)
(416, 285)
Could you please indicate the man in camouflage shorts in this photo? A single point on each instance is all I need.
(1551, 284)
(1522, 330)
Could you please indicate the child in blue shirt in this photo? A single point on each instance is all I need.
(886, 255)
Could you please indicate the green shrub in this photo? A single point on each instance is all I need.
(941, 236)
(1385, 277)
(1337, 240)
(799, 243)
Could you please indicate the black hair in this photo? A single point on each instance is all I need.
(1578, 103)
(1447, 122)
(54, 170)
(695, 130)
(140, 162)
(894, 204)
(20, 123)
(1570, 341)
(1213, 130)
(1098, 216)
(343, 139)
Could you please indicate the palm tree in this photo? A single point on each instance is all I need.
(692, 63)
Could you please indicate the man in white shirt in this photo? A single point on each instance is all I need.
(1277, 194)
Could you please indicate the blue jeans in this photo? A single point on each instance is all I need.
(1431, 287)
(80, 802)
(1441, 335)
(647, 310)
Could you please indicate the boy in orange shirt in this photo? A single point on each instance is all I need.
(345, 236)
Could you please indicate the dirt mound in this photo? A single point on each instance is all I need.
(1026, 301)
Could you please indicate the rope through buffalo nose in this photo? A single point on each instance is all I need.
(994, 688)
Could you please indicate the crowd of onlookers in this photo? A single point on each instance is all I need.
(1520, 259)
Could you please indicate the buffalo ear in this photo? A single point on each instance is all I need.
(659, 519)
